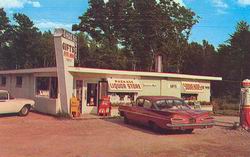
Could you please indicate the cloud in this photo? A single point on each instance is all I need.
(244, 2)
(11, 4)
(177, 1)
(35, 4)
(44, 24)
(220, 4)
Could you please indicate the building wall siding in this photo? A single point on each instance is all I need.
(171, 88)
(150, 87)
(27, 90)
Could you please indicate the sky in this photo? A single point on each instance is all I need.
(218, 18)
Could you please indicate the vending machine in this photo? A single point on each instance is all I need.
(245, 105)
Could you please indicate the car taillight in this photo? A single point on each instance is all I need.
(192, 120)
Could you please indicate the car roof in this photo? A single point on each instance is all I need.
(155, 98)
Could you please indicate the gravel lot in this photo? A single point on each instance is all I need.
(44, 136)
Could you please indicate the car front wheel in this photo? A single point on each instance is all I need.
(24, 111)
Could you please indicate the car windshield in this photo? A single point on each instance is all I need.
(171, 104)
(3, 96)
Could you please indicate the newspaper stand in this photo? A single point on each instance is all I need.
(75, 107)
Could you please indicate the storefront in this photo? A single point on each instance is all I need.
(52, 88)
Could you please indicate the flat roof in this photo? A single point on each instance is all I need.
(140, 73)
(28, 71)
(111, 72)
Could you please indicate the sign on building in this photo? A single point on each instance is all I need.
(192, 87)
(124, 85)
(68, 44)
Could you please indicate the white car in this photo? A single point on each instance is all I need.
(14, 105)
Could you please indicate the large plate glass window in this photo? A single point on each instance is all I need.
(47, 87)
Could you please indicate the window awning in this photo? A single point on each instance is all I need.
(124, 85)
(192, 87)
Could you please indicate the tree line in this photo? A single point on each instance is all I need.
(127, 35)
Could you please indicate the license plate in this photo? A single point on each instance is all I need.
(192, 120)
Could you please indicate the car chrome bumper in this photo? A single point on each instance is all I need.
(191, 125)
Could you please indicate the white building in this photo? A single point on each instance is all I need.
(52, 88)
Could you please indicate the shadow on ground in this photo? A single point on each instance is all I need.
(142, 128)
(8, 115)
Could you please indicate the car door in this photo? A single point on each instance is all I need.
(146, 112)
(5, 105)
(136, 110)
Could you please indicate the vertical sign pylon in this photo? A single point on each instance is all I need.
(65, 49)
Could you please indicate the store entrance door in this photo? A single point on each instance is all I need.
(79, 86)
(92, 94)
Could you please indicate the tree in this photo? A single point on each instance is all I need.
(5, 39)
(26, 51)
(142, 27)
(47, 50)
(200, 59)
(233, 64)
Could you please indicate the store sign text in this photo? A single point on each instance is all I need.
(124, 85)
(69, 51)
(193, 87)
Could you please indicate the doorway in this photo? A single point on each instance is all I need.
(92, 97)
(79, 86)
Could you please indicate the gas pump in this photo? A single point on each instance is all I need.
(245, 105)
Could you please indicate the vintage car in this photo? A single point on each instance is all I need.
(164, 112)
(14, 105)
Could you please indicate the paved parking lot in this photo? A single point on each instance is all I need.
(44, 136)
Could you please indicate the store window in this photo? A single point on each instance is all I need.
(42, 86)
(19, 81)
(3, 81)
(92, 94)
(189, 97)
(103, 89)
(47, 87)
(53, 87)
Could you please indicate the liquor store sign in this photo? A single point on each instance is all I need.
(124, 85)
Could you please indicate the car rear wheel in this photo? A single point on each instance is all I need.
(24, 111)
(126, 120)
(188, 131)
